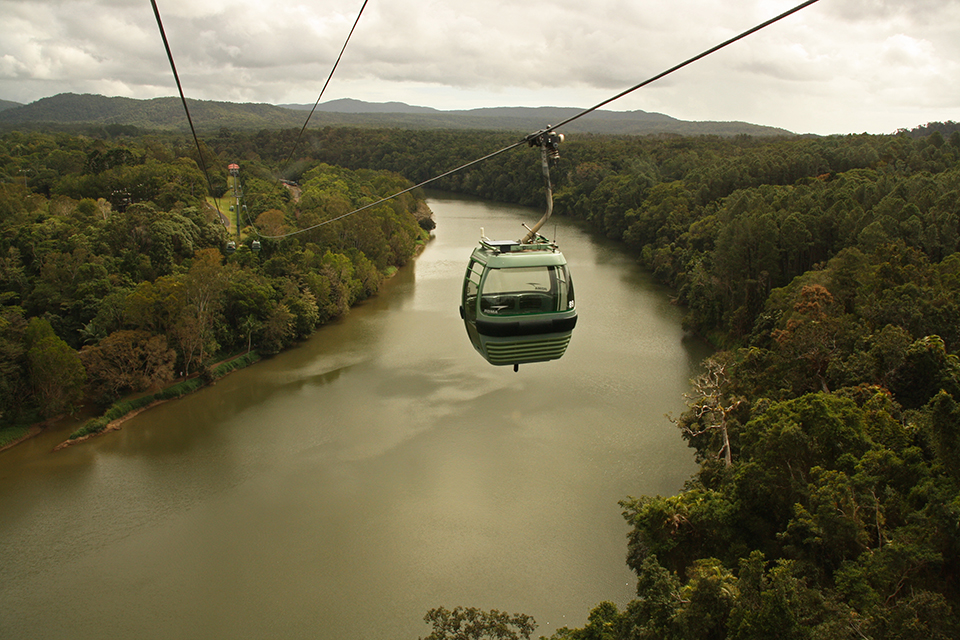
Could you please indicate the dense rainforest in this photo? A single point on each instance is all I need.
(825, 270)
(117, 274)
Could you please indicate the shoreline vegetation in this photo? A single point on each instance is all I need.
(125, 409)
(122, 411)
(20, 434)
(826, 430)
(116, 272)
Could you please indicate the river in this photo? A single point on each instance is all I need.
(380, 469)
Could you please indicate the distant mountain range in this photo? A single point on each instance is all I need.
(70, 110)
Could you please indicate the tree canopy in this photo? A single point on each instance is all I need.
(825, 270)
(116, 274)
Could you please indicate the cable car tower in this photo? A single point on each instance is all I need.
(239, 209)
(234, 170)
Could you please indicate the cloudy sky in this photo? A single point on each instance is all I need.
(838, 66)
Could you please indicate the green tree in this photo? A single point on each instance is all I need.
(676, 530)
(13, 375)
(278, 329)
(469, 623)
(605, 622)
(56, 374)
(249, 326)
(204, 285)
(127, 361)
(155, 306)
(775, 602)
(926, 370)
(651, 615)
(779, 448)
(707, 598)
(303, 306)
(944, 430)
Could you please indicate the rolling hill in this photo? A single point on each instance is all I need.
(69, 109)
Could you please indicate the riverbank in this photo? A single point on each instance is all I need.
(113, 425)
(123, 410)
(28, 432)
(14, 435)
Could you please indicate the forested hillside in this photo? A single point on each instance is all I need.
(155, 114)
(827, 504)
(70, 110)
(827, 428)
(828, 431)
(115, 274)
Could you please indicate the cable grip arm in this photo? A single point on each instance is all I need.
(548, 141)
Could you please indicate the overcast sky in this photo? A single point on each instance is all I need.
(838, 66)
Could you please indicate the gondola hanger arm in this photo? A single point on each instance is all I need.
(548, 142)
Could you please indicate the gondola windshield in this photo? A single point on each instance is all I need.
(526, 290)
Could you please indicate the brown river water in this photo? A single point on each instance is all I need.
(342, 489)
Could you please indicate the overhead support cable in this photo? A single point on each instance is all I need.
(677, 67)
(534, 138)
(183, 99)
(329, 77)
(398, 193)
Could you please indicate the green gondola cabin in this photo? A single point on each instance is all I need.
(518, 302)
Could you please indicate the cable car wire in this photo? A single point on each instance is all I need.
(186, 108)
(533, 137)
(530, 139)
(397, 194)
(329, 77)
(680, 66)
(183, 99)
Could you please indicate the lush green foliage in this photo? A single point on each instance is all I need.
(827, 504)
(115, 274)
(12, 434)
(723, 221)
(828, 431)
(469, 623)
(125, 407)
(239, 362)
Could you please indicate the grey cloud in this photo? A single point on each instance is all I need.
(457, 51)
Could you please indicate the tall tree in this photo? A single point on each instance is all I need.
(204, 285)
(127, 361)
(712, 407)
(56, 373)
